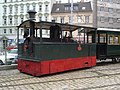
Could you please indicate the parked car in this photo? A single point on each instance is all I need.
(11, 57)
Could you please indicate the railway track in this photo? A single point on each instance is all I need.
(19, 79)
(47, 81)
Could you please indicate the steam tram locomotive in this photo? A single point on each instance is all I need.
(39, 55)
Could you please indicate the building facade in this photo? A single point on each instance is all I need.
(81, 13)
(14, 12)
(108, 14)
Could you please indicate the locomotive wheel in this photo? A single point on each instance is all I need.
(115, 60)
(118, 59)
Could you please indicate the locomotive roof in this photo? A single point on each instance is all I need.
(46, 25)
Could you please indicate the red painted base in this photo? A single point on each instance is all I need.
(54, 66)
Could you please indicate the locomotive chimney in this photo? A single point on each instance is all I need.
(32, 24)
(31, 14)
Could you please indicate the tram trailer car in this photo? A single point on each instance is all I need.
(57, 53)
(108, 45)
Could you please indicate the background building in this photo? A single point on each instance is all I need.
(81, 13)
(108, 14)
(105, 13)
(13, 12)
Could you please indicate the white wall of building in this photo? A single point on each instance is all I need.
(13, 12)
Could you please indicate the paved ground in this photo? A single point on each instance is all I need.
(102, 77)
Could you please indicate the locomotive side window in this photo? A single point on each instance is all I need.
(102, 38)
(90, 38)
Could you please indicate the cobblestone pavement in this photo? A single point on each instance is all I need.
(102, 77)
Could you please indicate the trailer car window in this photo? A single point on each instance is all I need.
(116, 40)
(102, 38)
(110, 39)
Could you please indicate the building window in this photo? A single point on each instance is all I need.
(46, 18)
(118, 11)
(62, 19)
(57, 9)
(16, 9)
(10, 10)
(101, 8)
(83, 8)
(102, 19)
(75, 8)
(22, 8)
(79, 19)
(40, 7)
(28, 8)
(5, 21)
(87, 19)
(66, 8)
(46, 7)
(10, 30)
(4, 30)
(34, 7)
(40, 18)
(21, 19)
(118, 20)
(110, 10)
(5, 10)
(10, 19)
